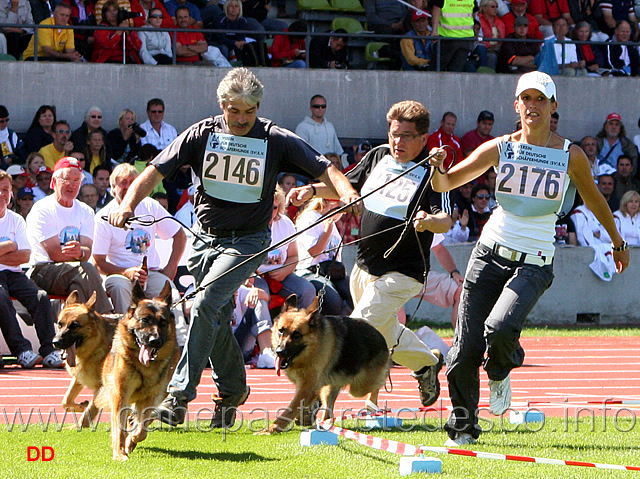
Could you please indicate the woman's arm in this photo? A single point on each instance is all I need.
(580, 174)
(474, 165)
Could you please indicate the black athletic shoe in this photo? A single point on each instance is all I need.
(428, 383)
(172, 411)
(224, 415)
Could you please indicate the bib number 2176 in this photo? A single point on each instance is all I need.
(534, 182)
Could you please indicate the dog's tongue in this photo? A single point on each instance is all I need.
(278, 361)
(71, 356)
(145, 355)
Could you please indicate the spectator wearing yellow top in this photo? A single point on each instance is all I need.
(61, 145)
(55, 44)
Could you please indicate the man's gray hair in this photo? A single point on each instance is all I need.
(90, 110)
(240, 84)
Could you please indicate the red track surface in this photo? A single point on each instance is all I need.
(583, 371)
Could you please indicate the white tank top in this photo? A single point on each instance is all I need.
(531, 186)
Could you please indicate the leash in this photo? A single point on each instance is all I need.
(408, 222)
(335, 211)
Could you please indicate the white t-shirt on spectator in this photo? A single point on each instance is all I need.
(13, 228)
(48, 218)
(276, 258)
(126, 248)
(309, 238)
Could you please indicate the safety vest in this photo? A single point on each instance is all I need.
(456, 19)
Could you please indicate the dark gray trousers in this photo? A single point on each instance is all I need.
(497, 296)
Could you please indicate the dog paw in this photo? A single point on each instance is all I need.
(76, 407)
(120, 457)
(272, 429)
(130, 445)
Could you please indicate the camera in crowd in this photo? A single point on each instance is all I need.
(137, 129)
(124, 14)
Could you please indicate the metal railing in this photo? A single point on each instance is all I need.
(366, 36)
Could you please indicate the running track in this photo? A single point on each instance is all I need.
(582, 371)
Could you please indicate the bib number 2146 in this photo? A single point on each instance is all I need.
(242, 171)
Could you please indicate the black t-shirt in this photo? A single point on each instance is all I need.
(285, 151)
(321, 55)
(405, 258)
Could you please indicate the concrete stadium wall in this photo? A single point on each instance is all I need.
(358, 99)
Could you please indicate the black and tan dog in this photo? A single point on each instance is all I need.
(86, 336)
(138, 369)
(323, 354)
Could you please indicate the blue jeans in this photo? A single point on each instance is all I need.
(296, 64)
(292, 284)
(210, 337)
(497, 296)
(37, 303)
(337, 298)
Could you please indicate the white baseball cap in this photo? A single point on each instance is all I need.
(539, 81)
(17, 170)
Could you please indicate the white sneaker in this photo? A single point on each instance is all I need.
(28, 359)
(462, 439)
(500, 396)
(53, 360)
(267, 359)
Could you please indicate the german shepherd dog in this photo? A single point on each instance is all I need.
(86, 336)
(138, 369)
(323, 354)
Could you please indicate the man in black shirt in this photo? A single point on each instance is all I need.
(386, 274)
(235, 158)
(329, 53)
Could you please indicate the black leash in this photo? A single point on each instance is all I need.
(408, 223)
(331, 213)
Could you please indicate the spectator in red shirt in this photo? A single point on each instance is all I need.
(289, 50)
(107, 47)
(519, 9)
(546, 10)
(144, 7)
(444, 135)
(191, 47)
(474, 138)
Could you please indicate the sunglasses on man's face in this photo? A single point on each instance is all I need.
(483, 196)
(324, 105)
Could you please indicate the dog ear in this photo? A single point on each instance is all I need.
(165, 294)
(72, 298)
(137, 294)
(92, 301)
(313, 307)
(290, 303)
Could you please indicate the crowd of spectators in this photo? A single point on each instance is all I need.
(471, 33)
(30, 159)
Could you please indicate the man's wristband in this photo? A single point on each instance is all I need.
(454, 271)
(313, 188)
(623, 247)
